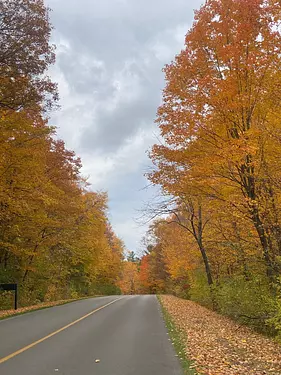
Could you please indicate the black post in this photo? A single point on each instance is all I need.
(16, 297)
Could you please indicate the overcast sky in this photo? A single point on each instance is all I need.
(110, 55)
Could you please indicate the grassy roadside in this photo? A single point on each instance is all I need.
(178, 339)
(5, 314)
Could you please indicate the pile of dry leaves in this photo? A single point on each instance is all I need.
(218, 345)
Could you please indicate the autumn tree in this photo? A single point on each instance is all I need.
(25, 55)
(144, 274)
(55, 237)
(54, 233)
(165, 266)
(153, 272)
(220, 116)
(22, 149)
(129, 281)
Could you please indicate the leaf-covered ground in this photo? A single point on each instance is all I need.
(218, 345)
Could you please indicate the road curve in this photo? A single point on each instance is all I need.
(99, 336)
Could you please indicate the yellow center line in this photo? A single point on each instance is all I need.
(4, 359)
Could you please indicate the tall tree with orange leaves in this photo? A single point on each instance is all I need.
(220, 116)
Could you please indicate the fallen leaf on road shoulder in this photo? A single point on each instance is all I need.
(216, 345)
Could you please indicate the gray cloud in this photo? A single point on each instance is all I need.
(113, 127)
(110, 54)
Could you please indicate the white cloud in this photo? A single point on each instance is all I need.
(110, 55)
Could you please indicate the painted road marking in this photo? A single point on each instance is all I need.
(4, 359)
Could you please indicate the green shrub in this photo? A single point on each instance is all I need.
(106, 289)
(249, 301)
(275, 321)
(6, 300)
(200, 291)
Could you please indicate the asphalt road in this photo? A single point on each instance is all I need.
(128, 337)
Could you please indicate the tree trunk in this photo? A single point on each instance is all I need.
(241, 253)
(206, 263)
(265, 242)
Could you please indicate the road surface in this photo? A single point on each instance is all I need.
(111, 335)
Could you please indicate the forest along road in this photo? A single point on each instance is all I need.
(115, 335)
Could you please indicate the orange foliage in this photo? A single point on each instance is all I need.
(220, 119)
